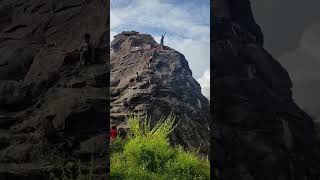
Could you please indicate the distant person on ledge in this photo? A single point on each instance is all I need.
(161, 40)
(86, 51)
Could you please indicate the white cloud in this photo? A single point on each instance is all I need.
(205, 83)
(187, 26)
(159, 14)
(185, 22)
(112, 33)
(197, 53)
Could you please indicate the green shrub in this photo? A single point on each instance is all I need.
(149, 155)
(187, 165)
(117, 145)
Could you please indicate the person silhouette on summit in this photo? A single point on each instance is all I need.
(86, 51)
(161, 40)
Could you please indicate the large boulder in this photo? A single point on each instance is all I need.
(52, 114)
(258, 132)
(167, 86)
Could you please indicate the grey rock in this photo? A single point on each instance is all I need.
(49, 108)
(166, 87)
(258, 131)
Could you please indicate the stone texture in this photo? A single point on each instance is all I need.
(258, 133)
(168, 86)
(52, 112)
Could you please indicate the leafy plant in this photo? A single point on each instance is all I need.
(147, 154)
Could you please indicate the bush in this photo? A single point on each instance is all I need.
(117, 145)
(149, 155)
(187, 165)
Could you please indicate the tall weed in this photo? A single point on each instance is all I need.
(147, 154)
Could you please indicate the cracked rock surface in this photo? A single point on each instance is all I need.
(51, 112)
(164, 87)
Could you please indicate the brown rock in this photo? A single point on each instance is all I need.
(161, 90)
(48, 106)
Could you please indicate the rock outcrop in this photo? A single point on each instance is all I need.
(258, 133)
(52, 114)
(163, 87)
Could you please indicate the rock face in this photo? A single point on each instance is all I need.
(50, 110)
(164, 87)
(258, 133)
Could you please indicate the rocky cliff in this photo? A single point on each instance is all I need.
(52, 113)
(258, 133)
(155, 90)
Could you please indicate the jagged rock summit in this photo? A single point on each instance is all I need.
(165, 85)
(52, 114)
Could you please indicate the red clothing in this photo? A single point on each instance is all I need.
(113, 134)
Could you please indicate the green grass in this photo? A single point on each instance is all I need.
(147, 154)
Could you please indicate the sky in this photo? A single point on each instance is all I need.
(186, 23)
(292, 35)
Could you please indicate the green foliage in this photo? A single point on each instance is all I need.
(148, 154)
(187, 165)
(117, 145)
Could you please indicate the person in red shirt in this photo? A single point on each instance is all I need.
(113, 133)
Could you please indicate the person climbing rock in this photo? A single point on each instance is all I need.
(86, 51)
(113, 133)
(152, 58)
(161, 41)
(149, 62)
(137, 78)
(126, 104)
(122, 133)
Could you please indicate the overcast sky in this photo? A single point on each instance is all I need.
(186, 22)
(292, 35)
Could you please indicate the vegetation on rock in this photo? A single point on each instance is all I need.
(147, 154)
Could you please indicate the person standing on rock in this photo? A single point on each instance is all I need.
(161, 41)
(86, 51)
